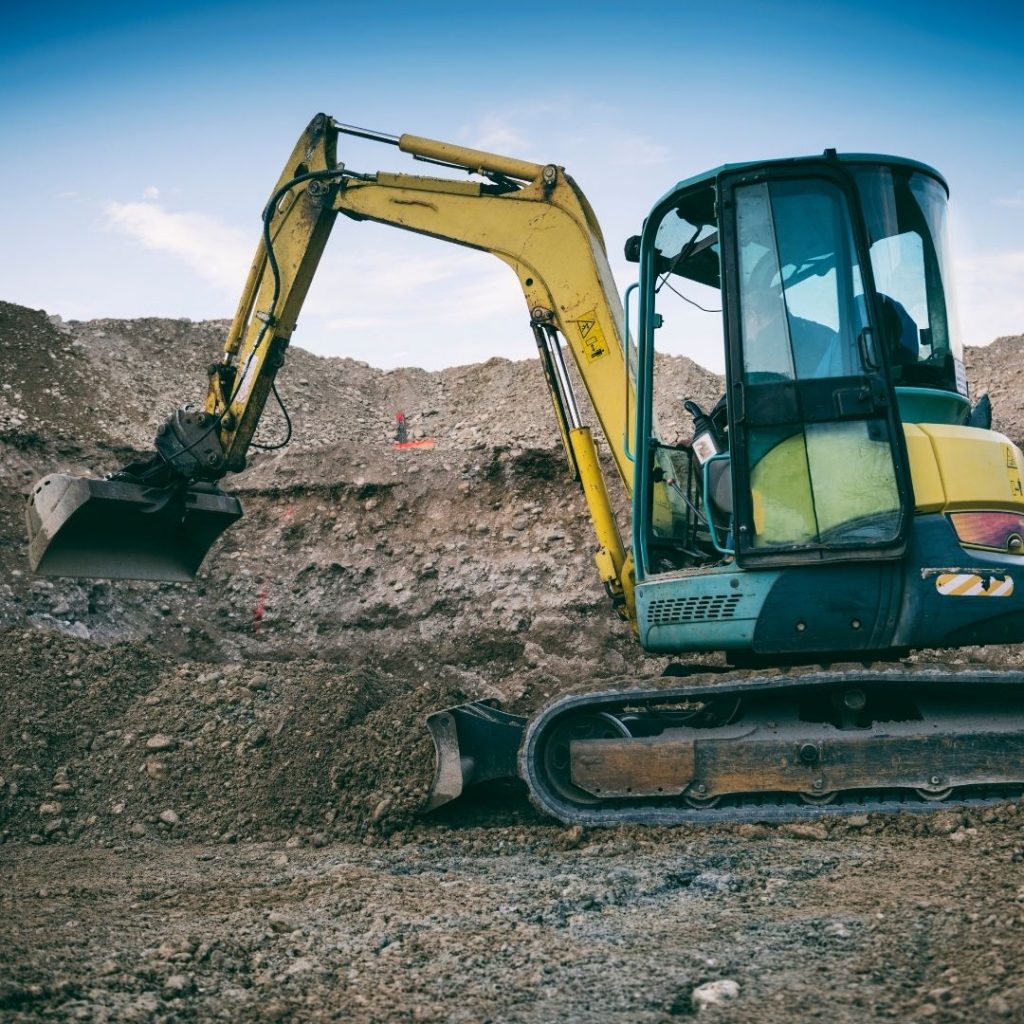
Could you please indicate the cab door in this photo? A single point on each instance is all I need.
(818, 458)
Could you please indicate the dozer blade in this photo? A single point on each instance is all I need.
(117, 529)
(473, 743)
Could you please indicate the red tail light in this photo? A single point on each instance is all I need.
(993, 531)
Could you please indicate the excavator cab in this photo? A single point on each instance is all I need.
(846, 442)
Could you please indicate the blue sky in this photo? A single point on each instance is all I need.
(141, 141)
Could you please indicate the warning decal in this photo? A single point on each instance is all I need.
(1013, 474)
(594, 345)
(965, 584)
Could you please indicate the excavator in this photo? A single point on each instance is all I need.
(843, 506)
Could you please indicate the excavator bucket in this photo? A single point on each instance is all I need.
(117, 529)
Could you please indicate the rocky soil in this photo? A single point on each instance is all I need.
(210, 794)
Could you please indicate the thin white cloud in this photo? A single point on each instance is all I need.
(991, 302)
(1014, 202)
(352, 323)
(216, 252)
(509, 132)
(381, 295)
(151, 192)
(497, 134)
(636, 150)
(67, 195)
(384, 285)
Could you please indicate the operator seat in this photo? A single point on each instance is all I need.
(899, 332)
(720, 490)
(719, 471)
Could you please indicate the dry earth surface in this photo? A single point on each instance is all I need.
(210, 794)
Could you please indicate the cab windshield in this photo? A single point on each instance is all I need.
(905, 216)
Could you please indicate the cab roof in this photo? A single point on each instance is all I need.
(700, 202)
(830, 156)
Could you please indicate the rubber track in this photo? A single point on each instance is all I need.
(760, 807)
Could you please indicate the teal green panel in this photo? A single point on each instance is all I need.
(714, 611)
(930, 405)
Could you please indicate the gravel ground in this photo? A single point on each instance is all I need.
(896, 920)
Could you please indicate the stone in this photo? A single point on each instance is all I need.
(156, 769)
(714, 993)
(999, 1005)
(177, 986)
(961, 835)
(51, 807)
(749, 830)
(161, 741)
(799, 830)
(944, 823)
(571, 837)
(280, 922)
(169, 817)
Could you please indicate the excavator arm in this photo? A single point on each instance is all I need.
(533, 217)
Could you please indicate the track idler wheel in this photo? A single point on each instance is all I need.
(557, 761)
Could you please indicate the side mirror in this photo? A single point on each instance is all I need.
(632, 249)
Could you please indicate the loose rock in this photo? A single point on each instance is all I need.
(714, 993)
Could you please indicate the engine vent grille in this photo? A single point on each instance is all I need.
(668, 611)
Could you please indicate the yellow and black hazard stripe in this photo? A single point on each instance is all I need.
(965, 584)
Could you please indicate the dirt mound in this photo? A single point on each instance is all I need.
(998, 371)
(291, 681)
(116, 742)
